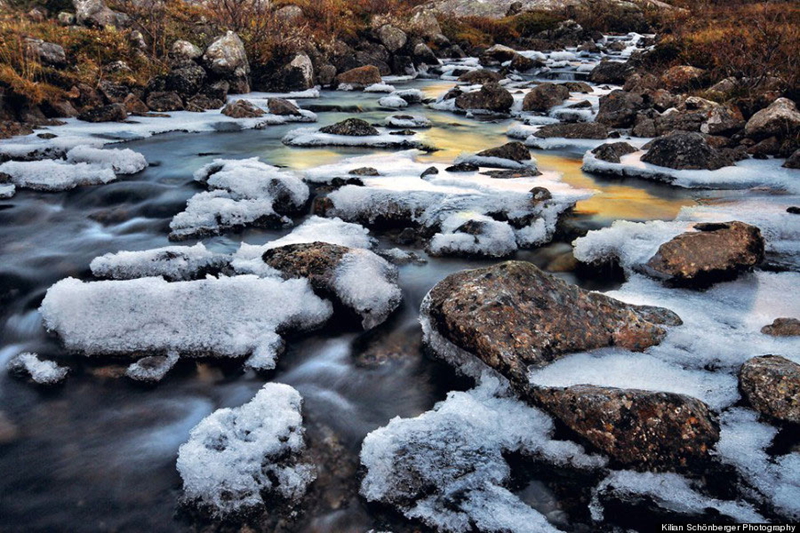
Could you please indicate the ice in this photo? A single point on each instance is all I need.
(7, 190)
(407, 121)
(747, 173)
(495, 162)
(152, 369)
(669, 491)
(446, 466)
(174, 263)
(243, 193)
(311, 137)
(236, 457)
(121, 161)
(247, 260)
(496, 239)
(379, 88)
(40, 372)
(392, 102)
(224, 317)
(743, 441)
(50, 175)
(367, 283)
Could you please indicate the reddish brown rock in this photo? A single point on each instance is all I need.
(717, 252)
(360, 77)
(783, 327)
(771, 384)
(242, 109)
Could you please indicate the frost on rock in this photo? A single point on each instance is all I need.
(152, 369)
(367, 283)
(671, 492)
(399, 197)
(236, 460)
(224, 317)
(743, 443)
(247, 260)
(305, 137)
(446, 467)
(392, 102)
(379, 88)
(7, 190)
(174, 263)
(49, 175)
(41, 372)
(121, 161)
(242, 193)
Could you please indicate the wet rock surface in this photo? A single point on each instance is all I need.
(352, 127)
(771, 384)
(716, 252)
(513, 315)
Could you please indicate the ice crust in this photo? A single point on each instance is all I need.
(121, 161)
(51, 175)
(236, 456)
(174, 263)
(306, 137)
(7, 190)
(40, 372)
(148, 371)
(367, 283)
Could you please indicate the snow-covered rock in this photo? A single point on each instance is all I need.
(174, 263)
(50, 175)
(152, 369)
(236, 457)
(121, 161)
(41, 372)
(312, 137)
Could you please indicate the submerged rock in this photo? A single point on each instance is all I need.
(357, 279)
(544, 96)
(717, 252)
(612, 152)
(771, 384)
(783, 327)
(352, 127)
(491, 97)
(685, 151)
(642, 429)
(513, 315)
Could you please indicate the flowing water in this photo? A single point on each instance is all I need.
(98, 454)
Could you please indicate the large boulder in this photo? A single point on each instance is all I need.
(226, 57)
(497, 54)
(491, 97)
(425, 24)
(637, 428)
(610, 72)
(181, 51)
(544, 96)
(298, 74)
(360, 77)
(105, 113)
(356, 279)
(513, 315)
(771, 384)
(352, 127)
(186, 79)
(618, 109)
(578, 130)
(682, 77)
(48, 53)
(716, 252)
(164, 101)
(685, 151)
(423, 55)
(97, 14)
(392, 37)
(780, 119)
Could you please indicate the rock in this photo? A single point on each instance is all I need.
(480, 76)
(66, 18)
(723, 120)
(685, 151)
(135, 106)
(360, 77)
(544, 96)
(682, 77)
(326, 75)
(430, 171)
(48, 53)
(162, 101)
(298, 74)
(95, 13)
(200, 103)
(105, 113)
(578, 87)
(281, 106)
(391, 37)
(227, 58)
(186, 80)
(767, 147)
(612, 72)
(114, 93)
(515, 151)
(217, 90)
(352, 127)
(137, 40)
(539, 195)
(364, 171)
(181, 51)
(716, 252)
(329, 270)
(424, 55)
(771, 384)
(578, 130)
(463, 167)
(529, 172)
(783, 327)
(289, 13)
(425, 24)
(793, 161)
(497, 54)
(513, 315)
(612, 152)
(491, 97)
(618, 109)
(520, 63)
(640, 429)
(780, 119)
(242, 109)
